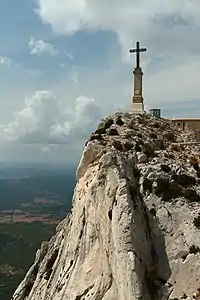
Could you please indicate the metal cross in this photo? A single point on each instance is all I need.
(137, 51)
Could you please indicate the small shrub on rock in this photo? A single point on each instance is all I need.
(138, 147)
(194, 249)
(192, 196)
(169, 136)
(103, 126)
(148, 150)
(189, 193)
(156, 125)
(184, 180)
(147, 185)
(196, 222)
(117, 145)
(172, 192)
(97, 137)
(113, 131)
(161, 144)
(119, 121)
(165, 168)
(196, 198)
(153, 135)
(195, 163)
(162, 185)
(100, 131)
(128, 146)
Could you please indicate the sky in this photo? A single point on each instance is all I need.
(63, 67)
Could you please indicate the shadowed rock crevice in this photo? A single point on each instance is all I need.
(29, 283)
(50, 263)
(154, 281)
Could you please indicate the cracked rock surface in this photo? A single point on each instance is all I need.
(134, 228)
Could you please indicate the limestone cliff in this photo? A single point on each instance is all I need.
(134, 229)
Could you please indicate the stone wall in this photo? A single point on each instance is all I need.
(187, 124)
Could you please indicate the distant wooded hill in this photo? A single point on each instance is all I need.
(36, 191)
(16, 191)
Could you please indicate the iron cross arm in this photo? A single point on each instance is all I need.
(137, 51)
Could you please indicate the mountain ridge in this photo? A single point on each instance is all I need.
(134, 228)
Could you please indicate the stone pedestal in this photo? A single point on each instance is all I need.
(138, 104)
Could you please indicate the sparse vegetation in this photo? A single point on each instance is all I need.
(148, 150)
(173, 191)
(169, 136)
(165, 168)
(128, 146)
(161, 144)
(104, 126)
(162, 185)
(153, 135)
(184, 180)
(119, 121)
(194, 249)
(194, 162)
(113, 131)
(97, 137)
(189, 193)
(147, 185)
(117, 145)
(138, 147)
(196, 222)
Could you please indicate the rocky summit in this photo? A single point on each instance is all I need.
(134, 228)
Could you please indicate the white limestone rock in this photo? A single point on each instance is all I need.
(131, 232)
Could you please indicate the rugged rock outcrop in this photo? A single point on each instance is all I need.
(134, 229)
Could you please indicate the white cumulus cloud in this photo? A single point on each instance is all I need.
(41, 121)
(168, 28)
(168, 25)
(39, 47)
(6, 61)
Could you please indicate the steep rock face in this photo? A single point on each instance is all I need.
(134, 229)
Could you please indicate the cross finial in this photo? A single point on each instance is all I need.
(137, 51)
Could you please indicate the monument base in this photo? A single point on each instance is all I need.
(138, 108)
